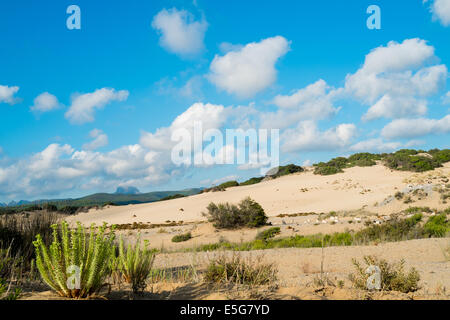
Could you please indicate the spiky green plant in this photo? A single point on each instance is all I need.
(135, 263)
(75, 265)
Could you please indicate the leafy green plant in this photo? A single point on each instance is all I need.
(135, 263)
(75, 265)
(393, 276)
(237, 270)
(182, 237)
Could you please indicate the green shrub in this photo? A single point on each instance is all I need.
(238, 270)
(247, 213)
(325, 170)
(393, 276)
(135, 264)
(228, 184)
(182, 237)
(437, 226)
(394, 230)
(284, 170)
(73, 251)
(252, 181)
(268, 234)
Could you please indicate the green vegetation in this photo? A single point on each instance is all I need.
(182, 237)
(75, 265)
(284, 170)
(394, 230)
(248, 213)
(237, 270)
(268, 233)
(229, 184)
(175, 196)
(437, 226)
(250, 181)
(405, 159)
(134, 264)
(393, 276)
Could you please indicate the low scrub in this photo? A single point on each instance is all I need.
(390, 231)
(238, 270)
(284, 170)
(248, 213)
(268, 233)
(393, 277)
(75, 265)
(437, 226)
(251, 181)
(182, 237)
(17, 232)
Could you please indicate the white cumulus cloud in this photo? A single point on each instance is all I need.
(441, 11)
(83, 106)
(312, 102)
(410, 128)
(100, 139)
(399, 73)
(307, 137)
(7, 94)
(249, 70)
(45, 102)
(180, 33)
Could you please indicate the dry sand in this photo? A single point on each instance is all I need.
(355, 189)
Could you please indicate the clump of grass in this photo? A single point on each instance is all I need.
(135, 264)
(268, 233)
(248, 213)
(237, 270)
(8, 266)
(75, 265)
(178, 274)
(182, 237)
(393, 275)
(6, 292)
(437, 226)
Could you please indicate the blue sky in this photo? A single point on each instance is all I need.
(88, 110)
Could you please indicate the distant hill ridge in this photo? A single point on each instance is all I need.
(120, 197)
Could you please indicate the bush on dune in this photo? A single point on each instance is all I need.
(182, 237)
(248, 213)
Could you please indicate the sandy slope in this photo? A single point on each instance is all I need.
(356, 188)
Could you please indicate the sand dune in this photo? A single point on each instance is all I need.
(368, 188)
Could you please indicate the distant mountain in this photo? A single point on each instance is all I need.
(127, 190)
(18, 203)
(113, 198)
